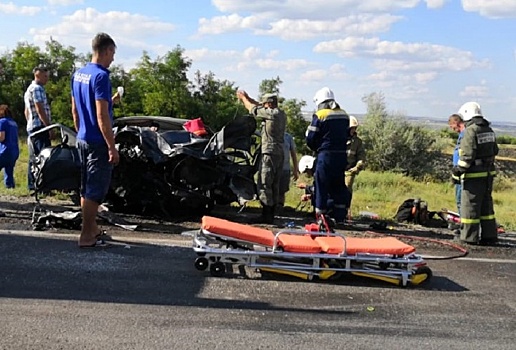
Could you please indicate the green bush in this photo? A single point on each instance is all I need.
(394, 144)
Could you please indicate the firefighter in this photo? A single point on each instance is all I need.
(476, 169)
(325, 136)
(356, 156)
(273, 130)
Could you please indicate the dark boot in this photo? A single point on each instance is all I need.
(267, 216)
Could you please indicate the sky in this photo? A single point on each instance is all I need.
(427, 57)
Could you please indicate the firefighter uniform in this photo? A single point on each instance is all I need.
(356, 160)
(326, 137)
(476, 169)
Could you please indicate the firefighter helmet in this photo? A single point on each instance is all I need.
(353, 121)
(322, 95)
(469, 110)
(306, 163)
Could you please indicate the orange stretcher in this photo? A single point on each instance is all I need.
(305, 253)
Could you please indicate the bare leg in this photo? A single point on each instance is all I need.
(89, 229)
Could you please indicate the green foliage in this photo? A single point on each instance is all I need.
(270, 86)
(163, 84)
(394, 144)
(213, 100)
(296, 124)
(506, 140)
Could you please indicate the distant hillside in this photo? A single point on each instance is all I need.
(500, 127)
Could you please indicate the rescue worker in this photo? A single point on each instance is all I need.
(327, 135)
(356, 157)
(274, 123)
(307, 166)
(476, 170)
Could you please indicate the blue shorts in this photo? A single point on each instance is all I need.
(95, 171)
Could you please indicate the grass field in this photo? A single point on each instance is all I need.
(380, 193)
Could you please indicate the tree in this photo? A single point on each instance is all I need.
(60, 62)
(17, 75)
(394, 144)
(163, 84)
(213, 100)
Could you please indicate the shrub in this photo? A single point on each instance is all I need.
(394, 144)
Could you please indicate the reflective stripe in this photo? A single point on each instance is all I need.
(313, 128)
(475, 175)
(340, 206)
(455, 177)
(488, 217)
(469, 221)
(336, 116)
(463, 164)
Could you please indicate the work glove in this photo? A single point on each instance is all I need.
(353, 171)
(457, 171)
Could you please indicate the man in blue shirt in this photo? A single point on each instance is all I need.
(9, 149)
(457, 124)
(92, 110)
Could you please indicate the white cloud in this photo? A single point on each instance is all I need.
(314, 75)
(133, 30)
(399, 56)
(491, 8)
(64, 2)
(225, 24)
(301, 29)
(329, 9)
(12, 9)
(475, 91)
(435, 4)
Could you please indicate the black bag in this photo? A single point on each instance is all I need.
(413, 211)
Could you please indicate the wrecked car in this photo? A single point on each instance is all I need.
(165, 168)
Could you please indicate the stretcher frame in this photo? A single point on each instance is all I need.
(215, 251)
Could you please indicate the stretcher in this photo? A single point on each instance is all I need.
(307, 254)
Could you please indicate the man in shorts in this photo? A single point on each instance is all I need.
(92, 110)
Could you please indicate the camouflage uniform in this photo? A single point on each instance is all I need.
(273, 130)
(476, 168)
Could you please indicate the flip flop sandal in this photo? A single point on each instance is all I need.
(102, 235)
(99, 244)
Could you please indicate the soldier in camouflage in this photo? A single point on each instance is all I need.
(274, 123)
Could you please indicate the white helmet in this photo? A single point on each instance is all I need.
(306, 163)
(322, 95)
(353, 122)
(470, 110)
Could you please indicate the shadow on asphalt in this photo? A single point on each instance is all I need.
(436, 283)
(56, 269)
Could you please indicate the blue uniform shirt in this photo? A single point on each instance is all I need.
(328, 130)
(10, 144)
(456, 150)
(89, 84)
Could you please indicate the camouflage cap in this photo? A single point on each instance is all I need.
(268, 97)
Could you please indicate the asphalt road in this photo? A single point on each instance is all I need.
(147, 295)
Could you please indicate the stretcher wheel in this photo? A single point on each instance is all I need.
(217, 269)
(421, 275)
(201, 264)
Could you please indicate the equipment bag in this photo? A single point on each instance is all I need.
(413, 211)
